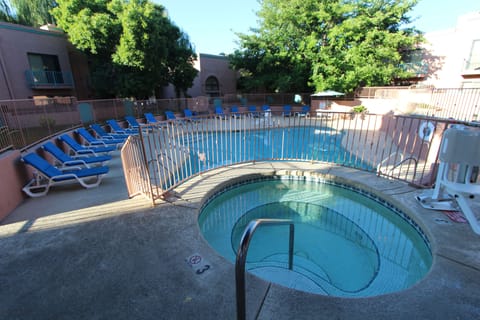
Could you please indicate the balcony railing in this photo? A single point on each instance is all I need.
(49, 79)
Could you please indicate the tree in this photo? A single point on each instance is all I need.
(6, 13)
(33, 12)
(326, 44)
(180, 65)
(129, 43)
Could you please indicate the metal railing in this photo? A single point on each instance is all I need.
(460, 104)
(25, 122)
(242, 257)
(448, 103)
(174, 151)
(135, 168)
(49, 79)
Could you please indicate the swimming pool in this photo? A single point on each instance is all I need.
(348, 243)
(209, 150)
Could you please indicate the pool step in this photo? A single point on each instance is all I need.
(305, 276)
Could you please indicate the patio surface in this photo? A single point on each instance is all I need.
(95, 254)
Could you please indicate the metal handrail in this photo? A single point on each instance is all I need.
(242, 257)
(398, 164)
(405, 160)
(388, 158)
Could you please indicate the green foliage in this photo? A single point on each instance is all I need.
(326, 44)
(27, 12)
(132, 46)
(33, 12)
(181, 59)
(360, 109)
(6, 13)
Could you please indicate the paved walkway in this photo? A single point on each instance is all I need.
(95, 254)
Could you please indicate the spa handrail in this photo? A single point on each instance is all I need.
(242, 257)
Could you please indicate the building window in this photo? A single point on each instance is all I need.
(212, 87)
(414, 62)
(473, 62)
(45, 68)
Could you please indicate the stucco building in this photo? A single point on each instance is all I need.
(39, 62)
(214, 79)
(453, 55)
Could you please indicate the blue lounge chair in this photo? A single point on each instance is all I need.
(64, 159)
(92, 141)
(115, 127)
(102, 134)
(234, 112)
(266, 110)
(219, 112)
(47, 175)
(252, 112)
(78, 149)
(132, 122)
(304, 112)
(189, 115)
(170, 115)
(150, 118)
(287, 110)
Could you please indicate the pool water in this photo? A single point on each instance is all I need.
(210, 150)
(346, 243)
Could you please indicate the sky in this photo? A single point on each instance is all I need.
(211, 24)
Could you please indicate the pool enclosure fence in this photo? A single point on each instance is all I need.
(166, 154)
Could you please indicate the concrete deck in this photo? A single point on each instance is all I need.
(95, 254)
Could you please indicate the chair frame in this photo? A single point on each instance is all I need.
(287, 110)
(235, 112)
(132, 122)
(305, 112)
(102, 134)
(43, 181)
(219, 113)
(253, 112)
(65, 160)
(113, 124)
(92, 141)
(189, 115)
(78, 149)
(150, 118)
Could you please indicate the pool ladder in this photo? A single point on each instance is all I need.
(242, 257)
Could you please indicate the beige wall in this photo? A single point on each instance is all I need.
(208, 65)
(218, 66)
(448, 51)
(13, 177)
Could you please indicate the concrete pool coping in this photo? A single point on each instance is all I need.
(119, 258)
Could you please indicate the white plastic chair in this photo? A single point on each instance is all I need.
(459, 169)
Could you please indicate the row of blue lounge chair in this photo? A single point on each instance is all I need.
(84, 163)
(234, 111)
(79, 163)
(252, 111)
